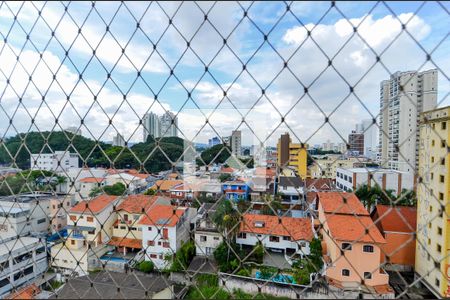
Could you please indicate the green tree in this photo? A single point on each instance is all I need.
(272, 205)
(146, 266)
(117, 189)
(217, 154)
(225, 177)
(182, 259)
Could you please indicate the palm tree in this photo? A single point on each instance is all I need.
(227, 219)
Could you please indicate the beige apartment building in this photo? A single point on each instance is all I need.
(326, 167)
(402, 99)
(433, 228)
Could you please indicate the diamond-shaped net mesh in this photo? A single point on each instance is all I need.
(224, 150)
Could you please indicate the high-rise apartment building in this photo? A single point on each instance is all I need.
(370, 132)
(402, 99)
(433, 198)
(151, 125)
(356, 142)
(118, 140)
(292, 155)
(213, 141)
(236, 143)
(168, 124)
(164, 126)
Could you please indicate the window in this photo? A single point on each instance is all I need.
(286, 238)
(91, 232)
(149, 228)
(203, 238)
(443, 161)
(444, 125)
(125, 217)
(345, 272)
(274, 239)
(216, 238)
(72, 242)
(432, 143)
(153, 256)
(368, 248)
(123, 227)
(242, 235)
(150, 243)
(441, 178)
(90, 219)
(40, 221)
(429, 241)
(432, 159)
(73, 218)
(367, 275)
(165, 233)
(441, 196)
(443, 144)
(438, 248)
(437, 282)
(346, 246)
(431, 176)
(439, 230)
(166, 245)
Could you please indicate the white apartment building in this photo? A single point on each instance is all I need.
(118, 140)
(87, 239)
(164, 229)
(292, 235)
(370, 131)
(21, 261)
(24, 214)
(59, 161)
(168, 124)
(387, 179)
(151, 125)
(207, 238)
(402, 99)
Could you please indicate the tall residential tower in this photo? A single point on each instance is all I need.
(402, 99)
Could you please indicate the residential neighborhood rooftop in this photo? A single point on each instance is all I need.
(353, 228)
(398, 219)
(163, 215)
(341, 203)
(94, 206)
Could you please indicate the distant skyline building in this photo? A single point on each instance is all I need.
(74, 130)
(118, 140)
(151, 125)
(214, 141)
(168, 124)
(402, 99)
(57, 161)
(236, 143)
(160, 126)
(370, 132)
(356, 142)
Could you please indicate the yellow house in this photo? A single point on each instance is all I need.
(433, 232)
(292, 155)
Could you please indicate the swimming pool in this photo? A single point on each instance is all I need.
(114, 259)
(283, 278)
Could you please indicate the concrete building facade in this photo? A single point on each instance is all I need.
(402, 99)
(59, 161)
(433, 196)
(292, 155)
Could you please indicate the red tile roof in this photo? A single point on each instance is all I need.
(297, 228)
(125, 242)
(137, 203)
(341, 203)
(92, 179)
(165, 185)
(399, 219)
(28, 292)
(226, 170)
(95, 206)
(259, 171)
(320, 184)
(353, 229)
(171, 215)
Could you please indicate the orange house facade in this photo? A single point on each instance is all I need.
(352, 244)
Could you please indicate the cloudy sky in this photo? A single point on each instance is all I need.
(77, 61)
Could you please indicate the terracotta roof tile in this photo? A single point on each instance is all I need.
(353, 228)
(92, 179)
(400, 218)
(125, 242)
(297, 228)
(135, 203)
(165, 185)
(341, 203)
(28, 292)
(226, 170)
(259, 171)
(95, 206)
(319, 184)
(169, 214)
